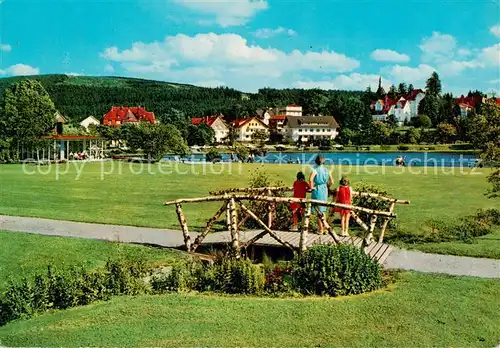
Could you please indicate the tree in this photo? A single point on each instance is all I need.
(484, 134)
(430, 106)
(346, 136)
(380, 90)
(392, 121)
(28, 111)
(410, 88)
(413, 136)
(379, 133)
(356, 115)
(421, 121)
(260, 136)
(392, 92)
(200, 135)
(156, 140)
(433, 86)
(402, 89)
(445, 132)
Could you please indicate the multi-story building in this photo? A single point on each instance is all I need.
(307, 128)
(246, 128)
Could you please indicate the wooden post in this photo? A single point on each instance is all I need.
(304, 234)
(369, 237)
(235, 240)
(266, 229)
(270, 211)
(329, 229)
(359, 221)
(184, 227)
(385, 223)
(210, 222)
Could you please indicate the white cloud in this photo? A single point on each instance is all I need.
(266, 33)
(223, 58)
(494, 82)
(495, 30)
(438, 48)
(20, 70)
(226, 12)
(5, 47)
(490, 56)
(73, 74)
(354, 81)
(385, 55)
(443, 52)
(414, 75)
(109, 68)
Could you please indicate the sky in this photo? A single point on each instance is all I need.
(251, 44)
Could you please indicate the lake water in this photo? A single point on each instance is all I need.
(417, 159)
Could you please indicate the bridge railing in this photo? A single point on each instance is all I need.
(235, 197)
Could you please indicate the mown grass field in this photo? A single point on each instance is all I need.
(417, 310)
(132, 194)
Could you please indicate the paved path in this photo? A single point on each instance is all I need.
(397, 259)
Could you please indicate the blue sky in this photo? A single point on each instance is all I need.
(249, 44)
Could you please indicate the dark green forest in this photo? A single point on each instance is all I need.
(78, 97)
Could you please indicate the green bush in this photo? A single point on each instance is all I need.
(61, 289)
(238, 277)
(403, 147)
(371, 202)
(336, 270)
(226, 275)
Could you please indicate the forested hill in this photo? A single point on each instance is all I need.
(77, 97)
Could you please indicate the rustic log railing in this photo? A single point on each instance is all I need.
(232, 198)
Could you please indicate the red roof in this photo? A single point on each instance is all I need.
(294, 105)
(208, 120)
(241, 122)
(471, 102)
(413, 94)
(119, 115)
(278, 118)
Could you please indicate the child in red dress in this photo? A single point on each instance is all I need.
(300, 189)
(344, 195)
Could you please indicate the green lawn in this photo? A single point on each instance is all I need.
(416, 310)
(112, 193)
(28, 254)
(420, 310)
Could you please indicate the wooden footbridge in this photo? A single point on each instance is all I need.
(233, 206)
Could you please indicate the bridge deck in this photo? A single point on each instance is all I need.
(377, 251)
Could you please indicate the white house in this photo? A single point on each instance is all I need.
(216, 123)
(89, 121)
(403, 109)
(247, 127)
(306, 128)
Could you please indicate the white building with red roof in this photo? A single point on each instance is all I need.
(246, 127)
(119, 115)
(403, 108)
(216, 123)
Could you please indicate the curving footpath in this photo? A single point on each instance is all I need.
(397, 259)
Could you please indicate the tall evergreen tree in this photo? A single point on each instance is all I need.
(380, 90)
(433, 86)
(402, 89)
(392, 92)
(410, 88)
